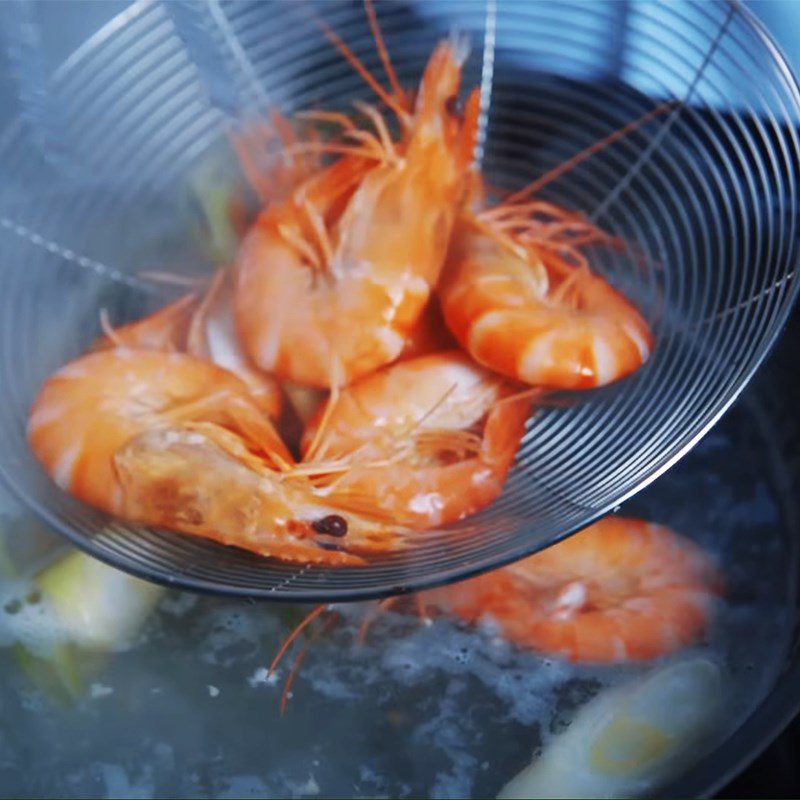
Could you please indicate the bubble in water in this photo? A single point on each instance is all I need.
(27, 619)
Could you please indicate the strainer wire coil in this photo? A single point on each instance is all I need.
(705, 196)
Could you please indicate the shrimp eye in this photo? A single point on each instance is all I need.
(454, 108)
(333, 525)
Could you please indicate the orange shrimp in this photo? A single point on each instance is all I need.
(621, 589)
(426, 441)
(517, 293)
(170, 440)
(331, 282)
(204, 328)
(429, 335)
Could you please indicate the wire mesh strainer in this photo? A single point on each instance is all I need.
(707, 194)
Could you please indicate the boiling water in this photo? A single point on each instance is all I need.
(441, 710)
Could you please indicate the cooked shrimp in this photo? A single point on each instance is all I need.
(622, 589)
(169, 440)
(518, 293)
(202, 327)
(427, 441)
(332, 281)
(519, 306)
(429, 335)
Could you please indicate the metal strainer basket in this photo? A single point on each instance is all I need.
(94, 177)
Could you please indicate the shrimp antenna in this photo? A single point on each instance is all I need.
(300, 657)
(383, 52)
(298, 629)
(359, 67)
(369, 619)
(108, 328)
(384, 605)
(172, 279)
(337, 379)
(583, 155)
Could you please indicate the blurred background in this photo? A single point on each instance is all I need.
(64, 25)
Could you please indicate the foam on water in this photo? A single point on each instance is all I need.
(410, 655)
(27, 618)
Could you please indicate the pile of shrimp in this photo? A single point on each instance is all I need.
(365, 369)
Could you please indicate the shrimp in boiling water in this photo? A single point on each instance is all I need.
(170, 440)
(621, 589)
(426, 441)
(201, 326)
(331, 282)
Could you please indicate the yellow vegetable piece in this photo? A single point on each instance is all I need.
(627, 744)
(628, 738)
(98, 607)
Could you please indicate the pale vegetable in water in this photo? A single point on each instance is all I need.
(96, 606)
(77, 603)
(629, 738)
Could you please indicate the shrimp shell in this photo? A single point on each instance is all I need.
(622, 589)
(517, 309)
(427, 441)
(332, 281)
(170, 440)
